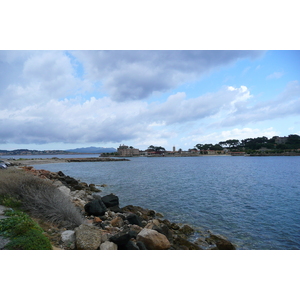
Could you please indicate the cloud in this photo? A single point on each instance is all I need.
(104, 120)
(285, 104)
(135, 75)
(236, 133)
(275, 75)
(36, 76)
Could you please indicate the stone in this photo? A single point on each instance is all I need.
(68, 238)
(186, 229)
(131, 246)
(153, 240)
(183, 244)
(110, 200)
(123, 237)
(97, 220)
(107, 245)
(65, 191)
(141, 245)
(117, 222)
(220, 242)
(95, 208)
(116, 209)
(134, 219)
(87, 237)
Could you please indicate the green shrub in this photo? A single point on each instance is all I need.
(10, 201)
(31, 240)
(23, 232)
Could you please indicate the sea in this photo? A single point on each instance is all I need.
(252, 201)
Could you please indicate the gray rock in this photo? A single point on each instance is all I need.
(87, 237)
(107, 245)
(68, 238)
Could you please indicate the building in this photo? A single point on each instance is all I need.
(128, 151)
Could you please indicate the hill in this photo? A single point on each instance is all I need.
(92, 150)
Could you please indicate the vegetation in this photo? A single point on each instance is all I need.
(156, 149)
(250, 145)
(39, 198)
(23, 232)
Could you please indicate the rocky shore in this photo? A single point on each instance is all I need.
(108, 226)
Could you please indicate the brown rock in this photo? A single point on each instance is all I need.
(117, 222)
(97, 220)
(153, 240)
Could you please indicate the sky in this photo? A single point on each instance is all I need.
(61, 99)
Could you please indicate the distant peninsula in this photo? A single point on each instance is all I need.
(87, 150)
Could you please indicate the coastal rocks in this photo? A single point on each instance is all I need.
(87, 237)
(95, 208)
(153, 240)
(220, 242)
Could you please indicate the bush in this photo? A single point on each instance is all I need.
(40, 198)
(23, 232)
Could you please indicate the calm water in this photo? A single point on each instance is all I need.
(253, 201)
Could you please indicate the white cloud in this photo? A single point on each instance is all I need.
(235, 133)
(275, 75)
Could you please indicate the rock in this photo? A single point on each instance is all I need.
(95, 208)
(65, 191)
(131, 246)
(141, 245)
(68, 239)
(153, 240)
(116, 209)
(123, 237)
(107, 245)
(183, 244)
(159, 215)
(202, 243)
(87, 237)
(110, 200)
(186, 229)
(220, 242)
(97, 220)
(134, 219)
(117, 222)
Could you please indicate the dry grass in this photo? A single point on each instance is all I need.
(40, 198)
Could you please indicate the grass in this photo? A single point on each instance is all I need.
(38, 197)
(23, 232)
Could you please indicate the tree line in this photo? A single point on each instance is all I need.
(275, 143)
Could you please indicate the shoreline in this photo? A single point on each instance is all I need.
(141, 228)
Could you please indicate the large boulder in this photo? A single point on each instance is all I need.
(110, 200)
(95, 208)
(153, 240)
(87, 237)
